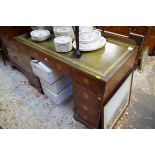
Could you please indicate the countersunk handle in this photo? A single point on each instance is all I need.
(85, 95)
(58, 66)
(85, 80)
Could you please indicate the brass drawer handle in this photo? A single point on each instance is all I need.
(85, 80)
(85, 95)
(85, 108)
(58, 66)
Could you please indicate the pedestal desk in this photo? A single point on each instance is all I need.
(96, 76)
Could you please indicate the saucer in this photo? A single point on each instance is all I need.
(91, 46)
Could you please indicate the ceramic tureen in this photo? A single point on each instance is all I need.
(63, 44)
(90, 40)
(40, 35)
(63, 31)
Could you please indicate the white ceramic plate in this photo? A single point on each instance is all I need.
(40, 35)
(62, 29)
(85, 28)
(91, 46)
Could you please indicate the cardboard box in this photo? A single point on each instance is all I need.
(58, 85)
(60, 98)
(44, 72)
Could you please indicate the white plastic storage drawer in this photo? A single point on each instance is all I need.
(44, 72)
(61, 97)
(58, 85)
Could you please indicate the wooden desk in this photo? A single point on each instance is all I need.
(96, 75)
(148, 32)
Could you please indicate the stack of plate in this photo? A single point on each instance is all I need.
(40, 35)
(49, 28)
(63, 31)
(63, 44)
(90, 40)
(85, 28)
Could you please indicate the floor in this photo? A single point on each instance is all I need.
(22, 106)
(140, 113)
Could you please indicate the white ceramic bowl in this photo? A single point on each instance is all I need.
(40, 35)
(63, 44)
(89, 37)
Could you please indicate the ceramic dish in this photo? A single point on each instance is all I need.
(89, 37)
(49, 28)
(63, 44)
(91, 46)
(40, 35)
(63, 31)
(85, 28)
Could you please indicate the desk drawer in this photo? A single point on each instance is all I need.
(9, 42)
(53, 63)
(90, 109)
(60, 66)
(14, 56)
(88, 81)
(88, 119)
(87, 96)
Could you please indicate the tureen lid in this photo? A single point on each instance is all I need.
(40, 33)
(86, 36)
(62, 29)
(85, 28)
(63, 40)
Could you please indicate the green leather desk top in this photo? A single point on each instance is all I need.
(102, 63)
